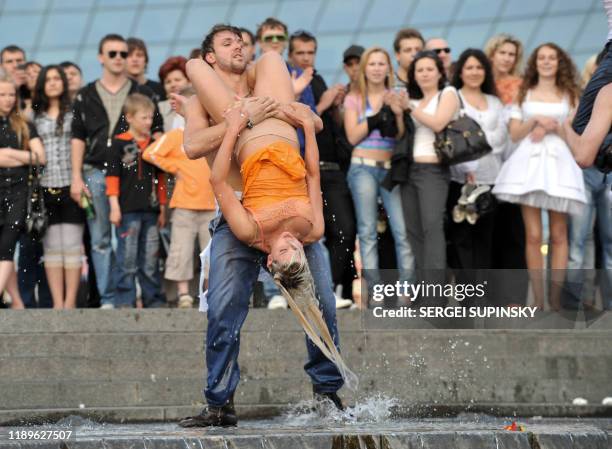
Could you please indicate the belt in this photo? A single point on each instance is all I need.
(370, 162)
(328, 166)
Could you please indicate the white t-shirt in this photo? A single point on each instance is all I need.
(424, 137)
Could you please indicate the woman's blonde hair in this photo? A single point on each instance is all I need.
(291, 274)
(16, 119)
(587, 72)
(363, 82)
(497, 41)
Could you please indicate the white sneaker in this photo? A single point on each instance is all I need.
(580, 401)
(185, 302)
(277, 302)
(107, 306)
(342, 303)
(607, 401)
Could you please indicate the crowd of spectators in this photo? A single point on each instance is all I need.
(126, 205)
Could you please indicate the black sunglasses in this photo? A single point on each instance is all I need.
(274, 38)
(113, 54)
(446, 50)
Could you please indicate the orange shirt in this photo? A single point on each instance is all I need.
(275, 186)
(273, 174)
(507, 88)
(192, 189)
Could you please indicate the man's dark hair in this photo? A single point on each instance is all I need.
(137, 44)
(406, 33)
(270, 22)
(304, 36)
(249, 32)
(109, 38)
(11, 49)
(207, 43)
(66, 64)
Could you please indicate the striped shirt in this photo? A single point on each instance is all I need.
(58, 169)
(374, 141)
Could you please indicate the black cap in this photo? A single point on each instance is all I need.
(354, 51)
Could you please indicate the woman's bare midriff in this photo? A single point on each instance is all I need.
(265, 133)
(376, 155)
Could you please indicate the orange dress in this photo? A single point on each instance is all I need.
(275, 189)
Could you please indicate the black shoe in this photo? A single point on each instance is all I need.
(213, 416)
(333, 397)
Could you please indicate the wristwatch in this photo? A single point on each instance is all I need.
(250, 124)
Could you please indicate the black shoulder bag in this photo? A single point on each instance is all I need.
(36, 213)
(462, 140)
(603, 160)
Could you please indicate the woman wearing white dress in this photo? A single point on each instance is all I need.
(541, 173)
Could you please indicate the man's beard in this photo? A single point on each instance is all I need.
(232, 66)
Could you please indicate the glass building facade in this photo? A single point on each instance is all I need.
(55, 30)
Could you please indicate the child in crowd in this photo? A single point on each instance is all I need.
(137, 197)
(193, 205)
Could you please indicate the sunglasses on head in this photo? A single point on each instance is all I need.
(274, 38)
(114, 53)
(446, 50)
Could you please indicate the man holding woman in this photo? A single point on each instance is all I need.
(234, 265)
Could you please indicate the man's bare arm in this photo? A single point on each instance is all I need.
(200, 138)
(585, 147)
(77, 154)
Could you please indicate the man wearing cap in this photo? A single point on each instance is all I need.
(338, 210)
(351, 58)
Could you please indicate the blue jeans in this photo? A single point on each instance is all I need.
(102, 254)
(233, 271)
(364, 184)
(138, 255)
(599, 204)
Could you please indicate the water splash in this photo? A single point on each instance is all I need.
(374, 409)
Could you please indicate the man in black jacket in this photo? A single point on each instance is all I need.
(98, 116)
(338, 212)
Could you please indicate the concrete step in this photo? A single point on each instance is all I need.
(154, 359)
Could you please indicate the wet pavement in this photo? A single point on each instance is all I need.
(367, 426)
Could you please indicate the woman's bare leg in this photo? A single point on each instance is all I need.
(214, 95)
(535, 263)
(8, 281)
(559, 247)
(272, 78)
(72, 276)
(55, 279)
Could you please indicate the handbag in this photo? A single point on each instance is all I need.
(37, 220)
(462, 140)
(603, 160)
